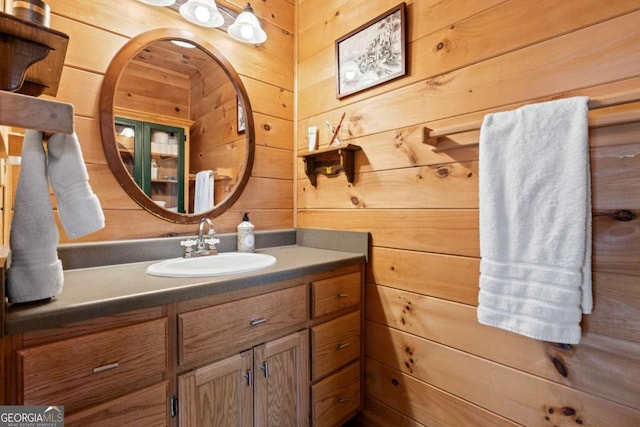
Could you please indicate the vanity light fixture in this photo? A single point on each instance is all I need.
(202, 12)
(128, 132)
(246, 27)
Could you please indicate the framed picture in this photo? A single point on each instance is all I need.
(241, 122)
(372, 54)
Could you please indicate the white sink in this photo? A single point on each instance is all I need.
(223, 264)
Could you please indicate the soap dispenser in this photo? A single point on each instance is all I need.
(246, 241)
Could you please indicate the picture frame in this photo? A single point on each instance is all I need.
(373, 53)
(240, 116)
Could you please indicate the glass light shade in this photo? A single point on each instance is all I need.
(158, 2)
(128, 132)
(202, 12)
(246, 27)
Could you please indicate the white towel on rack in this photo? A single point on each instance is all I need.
(203, 201)
(35, 272)
(78, 207)
(535, 220)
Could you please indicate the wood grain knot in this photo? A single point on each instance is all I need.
(560, 415)
(395, 382)
(560, 367)
(443, 46)
(407, 365)
(624, 215)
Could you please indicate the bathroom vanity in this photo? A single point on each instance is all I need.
(280, 346)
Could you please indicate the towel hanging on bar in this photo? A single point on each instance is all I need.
(535, 220)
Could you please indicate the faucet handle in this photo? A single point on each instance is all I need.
(212, 242)
(188, 243)
(188, 247)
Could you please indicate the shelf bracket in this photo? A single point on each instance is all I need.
(429, 139)
(32, 57)
(330, 161)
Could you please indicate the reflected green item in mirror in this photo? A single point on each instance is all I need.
(158, 168)
(154, 91)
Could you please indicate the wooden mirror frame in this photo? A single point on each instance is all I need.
(107, 123)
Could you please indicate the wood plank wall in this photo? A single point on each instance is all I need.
(99, 28)
(428, 361)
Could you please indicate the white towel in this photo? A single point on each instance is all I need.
(535, 220)
(203, 201)
(35, 272)
(78, 207)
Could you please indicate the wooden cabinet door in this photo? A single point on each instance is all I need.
(219, 394)
(281, 385)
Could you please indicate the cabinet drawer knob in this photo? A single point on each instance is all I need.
(104, 368)
(343, 295)
(343, 345)
(342, 400)
(255, 322)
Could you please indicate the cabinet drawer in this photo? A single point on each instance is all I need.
(337, 397)
(147, 407)
(88, 369)
(334, 344)
(335, 293)
(220, 330)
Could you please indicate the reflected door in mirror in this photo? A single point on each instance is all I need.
(154, 155)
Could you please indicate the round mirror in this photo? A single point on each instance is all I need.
(177, 126)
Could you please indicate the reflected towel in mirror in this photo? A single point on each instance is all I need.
(203, 201)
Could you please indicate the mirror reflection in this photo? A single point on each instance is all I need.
(179, 128)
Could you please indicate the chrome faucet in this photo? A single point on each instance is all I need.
(204, 246)
(211, 233)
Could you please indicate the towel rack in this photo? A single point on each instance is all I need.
(32, 113)
(604, 111)
(192, 176)
(35, 113)
(35, 72)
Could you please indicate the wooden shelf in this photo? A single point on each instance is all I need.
(330, 161)
(33, 57)
(163, 156)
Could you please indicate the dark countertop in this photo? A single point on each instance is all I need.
(96, 291)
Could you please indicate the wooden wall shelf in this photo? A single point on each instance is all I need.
(32, 57)
(330, 161)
